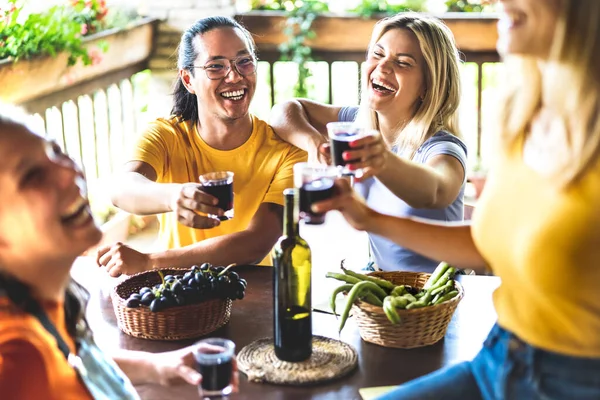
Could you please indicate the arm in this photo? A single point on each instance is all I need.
(136, 191)
(245, 247)
(435, 184)
(450, 242)
(301, 122)
(166, 368)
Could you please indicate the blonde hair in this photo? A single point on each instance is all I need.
(439, 107)
(568, 83)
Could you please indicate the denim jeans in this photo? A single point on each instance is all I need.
(508, 368)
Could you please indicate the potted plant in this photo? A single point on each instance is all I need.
(65, 45)
(477, 177)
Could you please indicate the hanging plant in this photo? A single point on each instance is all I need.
(298, 29)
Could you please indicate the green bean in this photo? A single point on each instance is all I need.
(447, 297)
(390, 310)
(437, 296)
(372, 299)
(381, 282)
(441, 289)
(399, 302)
(409, 297)
(342, 277)
(352, 295)
(444, 278)
(398, 290)
(343, 288)
(416, 304)
(437, 273)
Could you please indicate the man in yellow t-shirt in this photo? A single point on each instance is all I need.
(210, 130)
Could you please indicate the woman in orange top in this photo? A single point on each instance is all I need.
(46, 348)
(537, 223)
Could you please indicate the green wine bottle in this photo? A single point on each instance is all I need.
(291, 288)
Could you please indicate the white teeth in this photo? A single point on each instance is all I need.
(233, 95)
(76, 206)
(379, 83)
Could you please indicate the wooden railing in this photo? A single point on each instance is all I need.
(345, 38)
(92, 111)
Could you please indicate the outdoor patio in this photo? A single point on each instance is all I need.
(96, 111)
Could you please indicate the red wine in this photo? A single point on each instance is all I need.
(215, 376)
(224, 193)
(293, 334)
(339, 145)
(312, 192)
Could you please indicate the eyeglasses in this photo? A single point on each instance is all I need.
(219, 69)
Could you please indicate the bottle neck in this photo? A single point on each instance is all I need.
(290, 221)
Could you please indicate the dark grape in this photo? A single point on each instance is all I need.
(135, 296)
(205, 266)
(156, 305)
(179, 299)
(177, 287)
(145, 290)
(195, 268)
(233, 276)
(133, 303)
(187, 276)
(147, 298)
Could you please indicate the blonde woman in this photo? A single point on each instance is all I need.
(416, 165)
(537, 224)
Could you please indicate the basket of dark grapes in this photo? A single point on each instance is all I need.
(177, 303)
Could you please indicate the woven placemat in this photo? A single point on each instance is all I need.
(330, 359)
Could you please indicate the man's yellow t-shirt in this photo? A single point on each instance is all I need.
(262, 167)
(544, 242)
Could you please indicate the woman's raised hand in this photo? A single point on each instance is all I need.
(369, 154)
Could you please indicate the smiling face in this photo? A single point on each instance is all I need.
(526, 27)
(226, 98)
(395, 74)
(44, 212)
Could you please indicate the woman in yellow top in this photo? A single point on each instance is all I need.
(537, 224)
(46, 347)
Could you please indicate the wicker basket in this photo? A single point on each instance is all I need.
(418, 327)
(174, 323)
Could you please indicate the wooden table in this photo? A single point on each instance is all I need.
(252, 318)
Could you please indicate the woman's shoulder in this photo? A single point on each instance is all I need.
(14, 322)
(444, 136)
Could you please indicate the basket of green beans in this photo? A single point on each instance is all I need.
(399, 309)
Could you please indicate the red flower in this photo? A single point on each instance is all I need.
(84, 29)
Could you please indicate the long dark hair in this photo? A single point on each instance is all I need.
(185, 104)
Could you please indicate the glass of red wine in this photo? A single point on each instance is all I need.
(340, 136)
(315, 183)
(214, 361)
(220, 185)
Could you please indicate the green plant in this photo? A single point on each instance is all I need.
(367, 8)
(299, 21)
(469, 5)
(60, 28)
